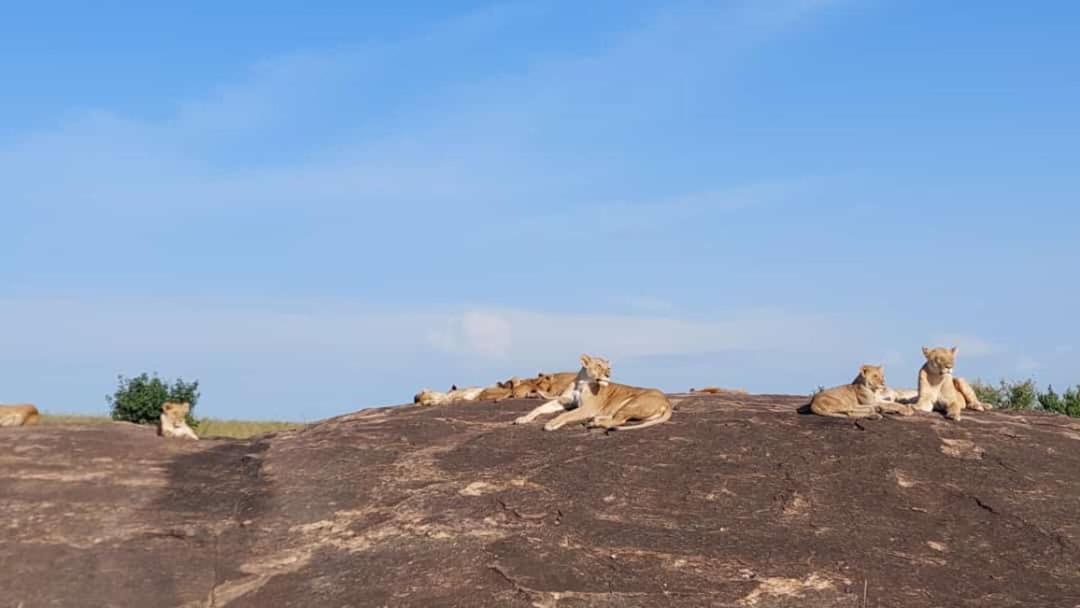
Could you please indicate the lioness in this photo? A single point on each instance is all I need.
(21, 414)
(429, 397)
(173, 423)
(938, 388)
(554, 385)
(516, 388)
(602, 403)
(860, 399)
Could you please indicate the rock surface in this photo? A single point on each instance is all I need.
(739, 501)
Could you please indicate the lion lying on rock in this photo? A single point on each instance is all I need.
(860, 399)
(543, 385)
(594, 399)
(173, 422)
(19, 415)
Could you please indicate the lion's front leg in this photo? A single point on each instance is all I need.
(889, 407)
(581, 413)
(555, 405)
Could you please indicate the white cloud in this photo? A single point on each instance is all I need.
(969, 346)
(475, 333)
(1027, 364)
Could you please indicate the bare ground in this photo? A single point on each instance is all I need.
(738, 502)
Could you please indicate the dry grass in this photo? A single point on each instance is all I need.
(242, 429)
(208, 427)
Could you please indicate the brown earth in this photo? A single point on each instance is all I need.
(739, 502)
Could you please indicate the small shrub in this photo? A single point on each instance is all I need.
(988, 393)
(1068, 404)
(1051, 401)
(139, 399)
(1008, 395)
(1020, 395)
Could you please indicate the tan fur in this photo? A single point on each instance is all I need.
(429, 397)
(516, 388)
(860, 399)
(173, 423)
(601, 403)
(971, 400)
(22, 414)
(900, 395)
(939, 389)
(557, 383)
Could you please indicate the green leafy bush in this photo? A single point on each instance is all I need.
(1008, 395)
(988, 393)
(1068, 404)
(1025, 395)
(139, 399)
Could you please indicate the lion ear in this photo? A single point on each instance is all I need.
(586, 359)
(453, 387)
(925, 351)
(954, 349)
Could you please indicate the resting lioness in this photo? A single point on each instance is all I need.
(938, 388)
(19, 415)
(602, 403)
(173, 421)
(554, 385)
(860, 399)
(429, 397)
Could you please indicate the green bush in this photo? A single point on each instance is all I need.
(1068, 404)
(988, 393)
(1008, 395)
(139, 399)
(1051, 401)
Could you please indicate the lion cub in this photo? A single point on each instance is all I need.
(603, 403)
(938, 388)
(19, 415)
(860, 399)
(173, 423)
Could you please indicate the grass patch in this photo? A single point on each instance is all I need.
(241, 429)
(208, 427)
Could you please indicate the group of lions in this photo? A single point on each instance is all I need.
(588, 397)
(868, 396)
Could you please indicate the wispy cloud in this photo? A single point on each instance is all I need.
(968, 346)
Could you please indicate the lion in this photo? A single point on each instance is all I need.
(860, 399)
(602, 403)
(427, 396)
(938, 388)
(516, 388)
(554, 385)
(21, 414)
(173, 420)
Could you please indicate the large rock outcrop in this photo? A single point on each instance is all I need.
(739, 502)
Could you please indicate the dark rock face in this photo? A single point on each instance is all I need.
(738, 501)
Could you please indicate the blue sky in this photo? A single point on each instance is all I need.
(317, 211)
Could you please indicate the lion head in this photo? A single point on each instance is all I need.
(873, 376)
(940, 360)
(596, 369)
